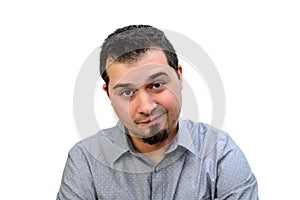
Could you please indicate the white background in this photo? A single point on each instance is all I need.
(255, 46)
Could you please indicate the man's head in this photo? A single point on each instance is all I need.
(143, 81)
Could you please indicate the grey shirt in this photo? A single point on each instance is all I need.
(201, 163)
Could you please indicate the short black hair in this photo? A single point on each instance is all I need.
(128, 44)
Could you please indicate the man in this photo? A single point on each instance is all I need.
(152, 153)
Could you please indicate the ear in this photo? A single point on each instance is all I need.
(180, 75)
(105, 88)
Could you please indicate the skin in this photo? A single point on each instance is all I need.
(146, 96)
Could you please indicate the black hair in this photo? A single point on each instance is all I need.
(128, 44)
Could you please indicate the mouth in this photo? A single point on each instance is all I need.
(151, 120)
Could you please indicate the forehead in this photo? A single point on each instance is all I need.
(150, 62)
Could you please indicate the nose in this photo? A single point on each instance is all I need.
(145, 102)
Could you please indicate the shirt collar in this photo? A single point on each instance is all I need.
(184, 138)
(118, 137)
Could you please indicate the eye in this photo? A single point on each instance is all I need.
(157, 85)
(127, 93)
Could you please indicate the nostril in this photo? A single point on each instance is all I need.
(145, 103)
(147, 109)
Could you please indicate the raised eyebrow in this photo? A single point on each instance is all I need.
(153, 76)
(122, 85)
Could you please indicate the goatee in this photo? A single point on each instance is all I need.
(157, 138)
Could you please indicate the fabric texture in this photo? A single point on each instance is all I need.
(201, 163)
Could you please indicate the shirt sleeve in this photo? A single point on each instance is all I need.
(77, 182)
(235, 180)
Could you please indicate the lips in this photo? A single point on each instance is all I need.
(149, 120)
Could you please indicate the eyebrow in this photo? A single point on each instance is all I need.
(153, 76)
(122, 85)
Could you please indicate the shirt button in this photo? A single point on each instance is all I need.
(155, 170)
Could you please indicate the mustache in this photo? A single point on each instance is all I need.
(152, 115)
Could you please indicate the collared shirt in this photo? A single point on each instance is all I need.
(201, 163)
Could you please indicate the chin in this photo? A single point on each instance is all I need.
(157, 138)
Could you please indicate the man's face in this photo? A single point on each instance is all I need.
(146, 95)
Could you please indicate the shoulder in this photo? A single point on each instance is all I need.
(208, 139)
(105, 146)
(93, 140)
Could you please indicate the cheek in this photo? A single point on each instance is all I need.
(125, 110)
(121, 109)
(170, 101)
(173, 94)
(131, 111)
